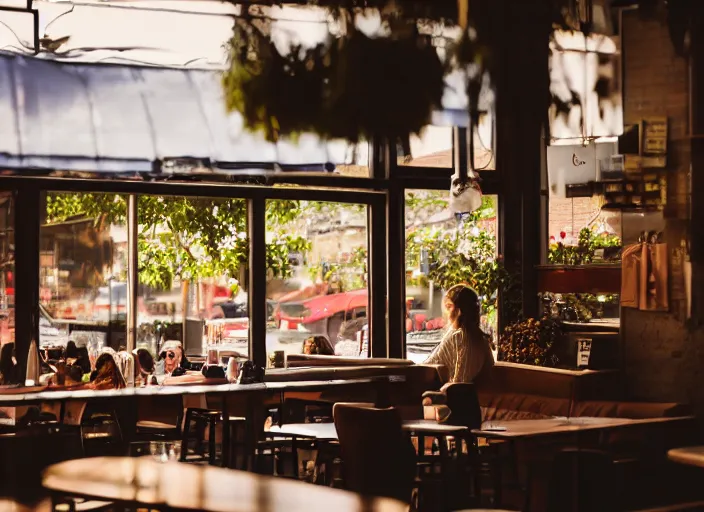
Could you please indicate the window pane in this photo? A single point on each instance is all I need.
(192, 257)
(317, 267)
(441, 251)
(83, 271)
(7, 271)
(581, 218)
(432, 149)
(484, 156)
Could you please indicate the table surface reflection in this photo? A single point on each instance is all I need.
(17, 396)
(691, 455)
(511, 429)
(145, 481)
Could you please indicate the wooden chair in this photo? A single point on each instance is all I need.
(485, 462)
(378, 458)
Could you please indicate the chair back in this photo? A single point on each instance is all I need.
(583, 481)
(378, 459)
(463, 402)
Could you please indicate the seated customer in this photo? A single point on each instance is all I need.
(318, 345)
(465, 350)
(144, 367)
(107, 374)
(73, 375)
(82, 360)
(171, 360)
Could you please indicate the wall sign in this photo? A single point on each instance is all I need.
(584, 350)
(570, 165)
(654, 143)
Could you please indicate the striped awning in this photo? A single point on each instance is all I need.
(117, 118)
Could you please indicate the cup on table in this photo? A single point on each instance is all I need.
(165, 451)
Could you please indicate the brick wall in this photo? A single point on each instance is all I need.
(662, 357)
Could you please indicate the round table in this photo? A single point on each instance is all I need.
(692, 455)
(145, 481)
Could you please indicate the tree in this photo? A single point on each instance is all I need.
(465, 253)
(188, 237)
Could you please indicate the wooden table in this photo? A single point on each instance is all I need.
(7, 505)
(432, 427)
(691, 455)
(320, 431)
(516, 429)
(328, 432)
(144, 481)
(18, 397)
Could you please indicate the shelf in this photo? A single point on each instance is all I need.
(595, 279)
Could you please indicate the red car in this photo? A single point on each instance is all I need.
(323, 314)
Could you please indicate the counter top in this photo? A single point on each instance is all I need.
(16, 397)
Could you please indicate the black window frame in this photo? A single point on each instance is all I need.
(383, 193)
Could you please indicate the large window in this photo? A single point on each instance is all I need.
(442, 250)
(193, 253)
(82, 270)
(433, 148)
(317, 276)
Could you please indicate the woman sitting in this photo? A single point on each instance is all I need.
(144, 367)
(107, 375)
(318, 345)
(465, 350)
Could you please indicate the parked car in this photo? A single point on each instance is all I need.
(322, 315)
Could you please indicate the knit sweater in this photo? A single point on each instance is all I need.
(463, 358)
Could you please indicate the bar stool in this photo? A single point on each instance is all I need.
(198, 421)
(149, 430)
(159, 420)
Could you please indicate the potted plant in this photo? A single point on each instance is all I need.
(531, 342)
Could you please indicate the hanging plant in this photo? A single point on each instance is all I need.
(275, 94)
(352, 87)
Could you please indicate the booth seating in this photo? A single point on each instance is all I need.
(520, 392)
(307, 361)
(516, 392)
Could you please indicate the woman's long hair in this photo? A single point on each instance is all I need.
(108, 375)
(466, 312)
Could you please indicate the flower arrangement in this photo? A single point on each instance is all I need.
(531, 342)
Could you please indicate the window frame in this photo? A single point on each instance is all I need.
(383, 193)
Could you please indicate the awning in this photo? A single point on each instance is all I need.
(115, 118)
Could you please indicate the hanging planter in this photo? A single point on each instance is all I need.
(353, 87)
(275, 94)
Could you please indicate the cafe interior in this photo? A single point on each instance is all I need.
(442, 258)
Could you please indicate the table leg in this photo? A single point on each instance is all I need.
(282, 399)
(225, 457)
